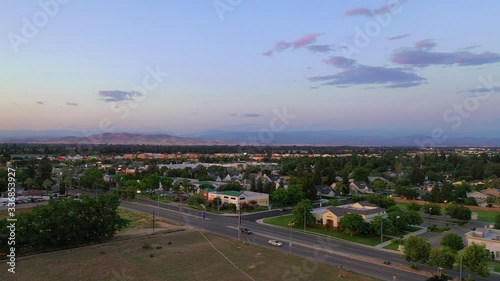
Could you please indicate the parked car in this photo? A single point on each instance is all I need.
(246, 231)
(275, 243)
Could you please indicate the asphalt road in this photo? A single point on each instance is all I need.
(355, 257)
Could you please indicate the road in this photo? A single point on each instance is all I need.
(355, 257)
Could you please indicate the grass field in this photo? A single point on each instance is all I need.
(368, 240)
(177, 256)
(495, 265)
(141, 220)
(392, 246)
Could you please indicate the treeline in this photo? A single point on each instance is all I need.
(64, 224)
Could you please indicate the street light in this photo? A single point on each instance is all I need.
(304, 218)
(397, 228)
(445, 201)
(381, 230)
(159, 191)
(430, 210)
(461, 257)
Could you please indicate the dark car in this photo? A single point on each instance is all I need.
(246, 231)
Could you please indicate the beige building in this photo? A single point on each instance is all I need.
(332, 216)
(238, 197)
(487, 236)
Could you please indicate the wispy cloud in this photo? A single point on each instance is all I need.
(320, 48)
(71, 103)
(401, 36)
(306, 40)
(303, 41)
(482, 90)
(421, 55)
(357, 74)
(426, 44)
(246, 115)
(372, 12)
(118, 96)
(40, 102)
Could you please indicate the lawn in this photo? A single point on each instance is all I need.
(366, 240)
(141, 220)
(495, 265)
(484, 216)
(177, 256)
(392, 246)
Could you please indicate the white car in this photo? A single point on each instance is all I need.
(275, 243)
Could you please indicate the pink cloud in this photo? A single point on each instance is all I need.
(268, 53)
(281, 45)
(371, 12)
(426, 44)
(340, 62)
(306, 40)
(359, 12)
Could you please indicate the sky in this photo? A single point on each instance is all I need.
(195, 65)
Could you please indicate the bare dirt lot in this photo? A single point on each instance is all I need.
(189, 256)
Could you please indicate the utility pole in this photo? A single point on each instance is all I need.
(290, 224)
(239, 220)
(180, 212)
(381, 230)
(153, 221)
(304, 218)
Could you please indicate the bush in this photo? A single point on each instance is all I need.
(146, 246)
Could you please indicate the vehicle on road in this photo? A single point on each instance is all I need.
(275, 243)
(246, 231)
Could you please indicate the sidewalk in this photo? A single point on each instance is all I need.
(423, 230)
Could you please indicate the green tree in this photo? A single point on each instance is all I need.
(417, 249)
(386, 225)
(414, 207)
(47, 184)
(354, 224)
(432, 209)
(379, 184)
(476, 258)
(197, 200)
(303, 207)
(497, 222)
(458, 212)
(412, 218)
(360, 174)
(29, 183)
(295, 194)
(280, 195)
(442, 257)
(452, 241)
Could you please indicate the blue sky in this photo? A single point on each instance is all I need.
(232, 64)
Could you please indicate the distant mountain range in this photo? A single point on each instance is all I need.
(119, 138)
(333, 138)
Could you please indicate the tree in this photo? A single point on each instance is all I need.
(360, 174)
(354, 224)
(236, 186)
(476, 258)
(417, 249)
(458, 212)
(386, 225)
(280, 195)
(197, 200)
(253, 186)
(432, 209)
(379, 184)
(497, 222)
(442, 257)
(303, 207)
(47, 184)
(29, 182)
(414, 207)
(452, 241)
(295, 194)
(412, 218)
(417, 176)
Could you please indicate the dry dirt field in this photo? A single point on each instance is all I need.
(190, 256)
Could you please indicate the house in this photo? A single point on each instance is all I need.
(480, 197)
(360, 187)
(338, 178)
(332, 216)
(487, 236)
(325, 190)
(492, 192)
(237, 197)
(372, 179)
